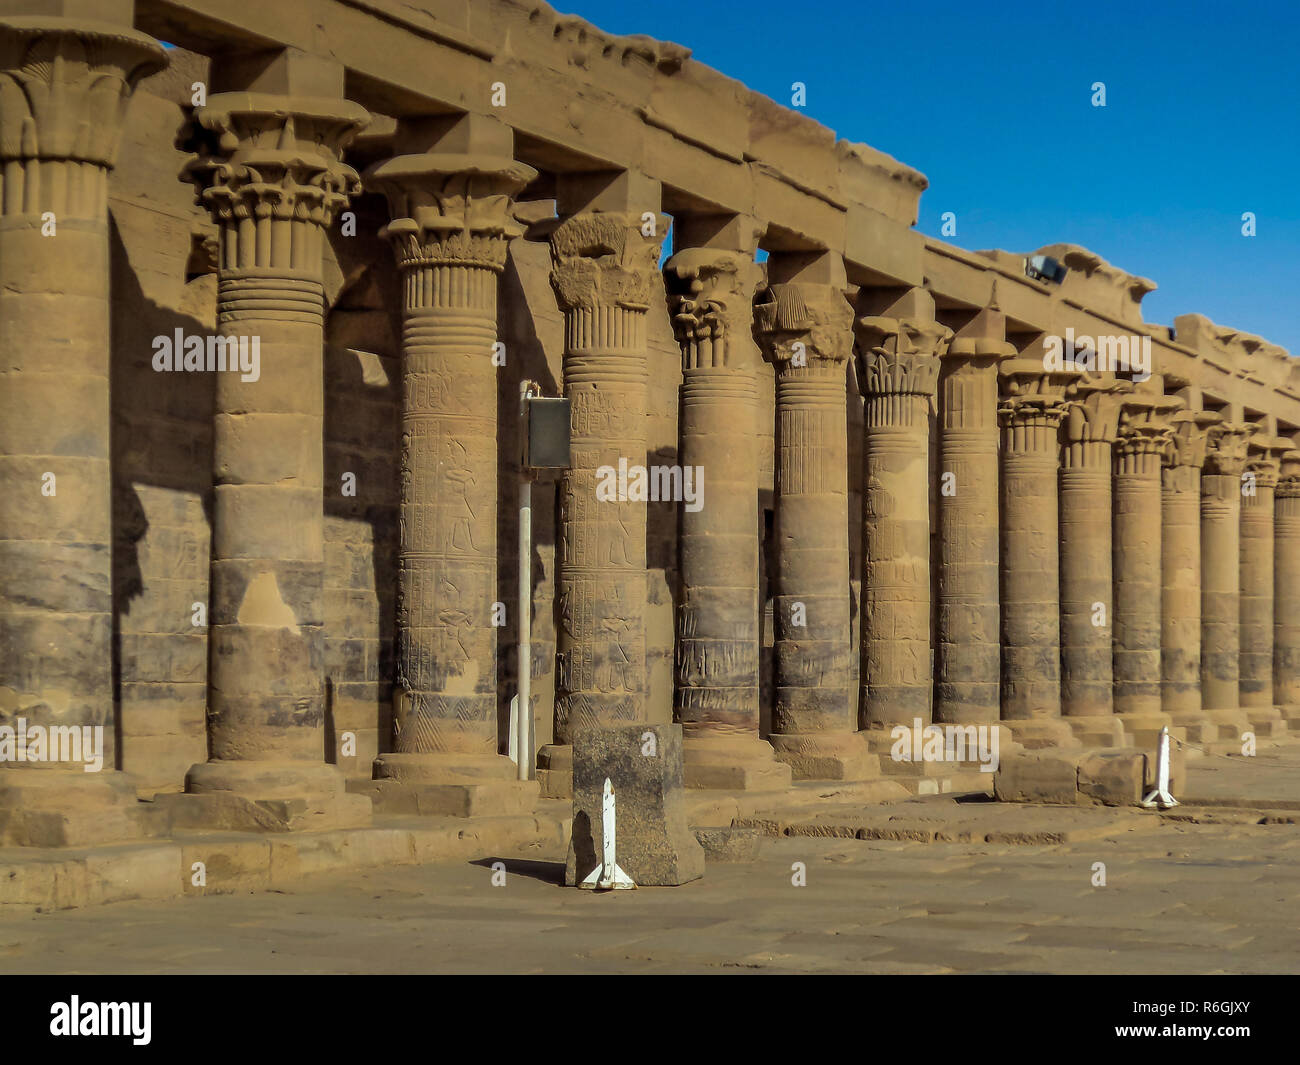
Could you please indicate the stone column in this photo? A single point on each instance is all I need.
(711, 294)
(1087, 674)
(1032, 408)
(898, 377)
(1180, 593)
(1257, 564)
(64, 87)
(1221, 577)
(1286, 581)
(605, 267)
(1145, 434)
(274, 184)
(968, 648)
(805, 325)
(451, 231)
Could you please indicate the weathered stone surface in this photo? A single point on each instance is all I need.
(653, 844)
(1037, 776)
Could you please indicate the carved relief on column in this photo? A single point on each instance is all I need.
(1145, 435)
(604, 271)
(1088, 436)
(968, 641)
(1258, 507)
(451, 229)
(1221, 484)
(716, 661)
(806, 332)
(900, 370)
(1286, 598)
(64, 89)
(273, 181)
(1032, 408)
(1180, 597)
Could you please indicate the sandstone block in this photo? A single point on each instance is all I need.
(654, 846)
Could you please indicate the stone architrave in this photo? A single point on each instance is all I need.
(716, 661)
(1221, 487)
(604, 273)
(1258, 507)
(274, 184)
(1145, 434)
(1033, 406)
(805, 325)
(64, 89)
(968, 653)
(899, 372)
(1286, 590)
(1180, 593)
(451, 228)
(1087, 674)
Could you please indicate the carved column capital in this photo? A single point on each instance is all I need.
(1228, 448)
(1288, 484)
(1190, 437)
(814, 315)
(450, 208)
(1094, 408)
(276, 159)
(711, 301)
(605, 259)
(1032, 395)
(64, 87)
(1264, 458)
(1146, 425)
(899, 354)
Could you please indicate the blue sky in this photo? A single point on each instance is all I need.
(992, 102)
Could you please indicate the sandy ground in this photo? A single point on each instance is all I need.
(1212, 893)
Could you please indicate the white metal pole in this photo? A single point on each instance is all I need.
(524, 717)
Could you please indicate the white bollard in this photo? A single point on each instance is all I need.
(607, 876)
(1160, 796)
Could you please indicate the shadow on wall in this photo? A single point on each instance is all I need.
(362, 456)
(526, 360)
(161, 475)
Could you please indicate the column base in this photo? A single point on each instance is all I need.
(926, 775)
(555, 770)
(447, 784)
(826, 756)
(1041, 733)
(1196, 725)
(1291, 715)
(735, 762)
(1230, 724)
(1097, 730)
(275, 796)
(1142, 728)
(69, 808)
(1267, 722)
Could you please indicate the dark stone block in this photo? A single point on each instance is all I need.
(654, 845)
